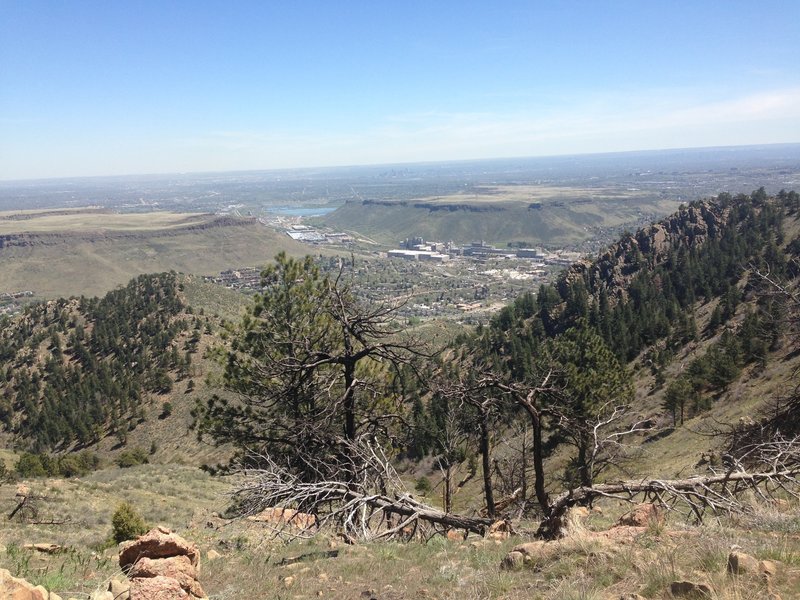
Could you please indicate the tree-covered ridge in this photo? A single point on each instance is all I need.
(72, 371)
(643, 289)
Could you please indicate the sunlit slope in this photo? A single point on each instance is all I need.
(63, 253)
(501, 214)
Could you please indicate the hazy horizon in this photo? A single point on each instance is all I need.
(794, 156)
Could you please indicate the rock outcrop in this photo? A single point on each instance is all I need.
(13, 588)
(614, 268)
(161, 565)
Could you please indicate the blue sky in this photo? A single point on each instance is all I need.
(124, 87)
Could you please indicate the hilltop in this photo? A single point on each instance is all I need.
(90, 251)
(528, 214)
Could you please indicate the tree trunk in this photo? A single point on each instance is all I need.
(538, 458)
(349, 403)
(487, 469)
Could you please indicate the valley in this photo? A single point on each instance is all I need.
(668, 331)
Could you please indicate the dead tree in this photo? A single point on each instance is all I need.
(773, 467)
(373, 506)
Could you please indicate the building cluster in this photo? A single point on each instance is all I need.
(418, 249)
(11, 302)
(310, 235)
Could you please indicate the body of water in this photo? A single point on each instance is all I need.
(301, 212)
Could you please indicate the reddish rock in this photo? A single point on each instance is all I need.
(12, 588)
(285, 516)
(642, 515)
(179, 568)
(157, 588)
(157, 543)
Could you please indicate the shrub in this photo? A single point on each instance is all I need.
(127, 524)
(131, 458)
(30, 465)
(166, 410)
(423, 485)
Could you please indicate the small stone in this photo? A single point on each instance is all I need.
(102, 595)
(768, 568)
(120, 590)
(213, 555)
(512, 560)
(691, 589)
(288, 581)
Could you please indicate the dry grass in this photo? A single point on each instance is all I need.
(586, 565)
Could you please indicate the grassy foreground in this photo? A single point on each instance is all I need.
(586, 565)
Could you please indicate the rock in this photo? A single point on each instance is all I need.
(632, 597)
(512, 560)
(213, 555)
(285, 516)
(12, 588)
(455, 535)
(179, 568)
(532, 549)
(643, 515)
(157, 543)
(288, 581)
(45, 548)
(157, 588)
(690, 589)
(572, 521)
(500, 530)
(102, 595)
(120, 590)
(768, 568)
(740, 563)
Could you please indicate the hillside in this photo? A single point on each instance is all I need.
(707, 341)
(113, 374)
(531, 215)
(90, 251)
(679, 306)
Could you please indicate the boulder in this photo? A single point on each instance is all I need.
(45, 548)
(179, 568)
(157, 543)
(213, 555)
(12, 588)
(689, 589)
(157, 588)
(102, 595)
(740, 563)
